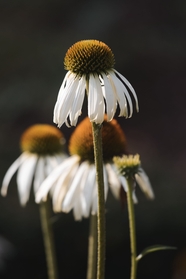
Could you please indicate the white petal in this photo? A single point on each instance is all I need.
(130, 87)
(78, 102)
(60, 94)
(127, 95)
(135, 200)
(144, 183)
(51, 163)
(119, 88)
(77, 211)
(114, 182)
(88, 190)
(123, 183)
(96, 105)
(11, 171)
(64, 104)
(52, 178)
(39, 173)
(75, 189)
(25, 176)
(110, 98)
(62, 185)
(94, 201)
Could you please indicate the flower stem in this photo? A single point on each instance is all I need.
(92, 248)
(132, 228)
(48, 239)
(98, 157)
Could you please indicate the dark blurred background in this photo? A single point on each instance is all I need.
(149, 42)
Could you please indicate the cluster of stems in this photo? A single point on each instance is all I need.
(96, 250)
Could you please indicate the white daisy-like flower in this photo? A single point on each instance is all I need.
(73, 182)
(90, 65)
(43, 150)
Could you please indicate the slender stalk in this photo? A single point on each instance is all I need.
(92, 248)
(48, 239)
(98, 157)
(132, 228)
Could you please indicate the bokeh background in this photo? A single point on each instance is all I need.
(149, 42)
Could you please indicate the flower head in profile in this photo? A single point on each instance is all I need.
(73, 182)
(90, 65)
(129, 166)
(42, 148)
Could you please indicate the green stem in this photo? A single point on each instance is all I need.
(132, 228)
(48, 239)
(92, 248)
(98, 157)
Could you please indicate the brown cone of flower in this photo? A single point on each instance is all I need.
(42, 139)
(113, 140)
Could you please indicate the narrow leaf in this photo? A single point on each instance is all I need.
(153, 248)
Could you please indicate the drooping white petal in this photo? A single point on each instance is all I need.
(125, 187)
(123, 183)
(114, 182)
(60, 94)
(92, 98)
(75, 189)
(62, 185)
(130, 88)
(88, 190)
(78, 102)
(118, 89)
(135, 200)
(95, 195)
(52, 178)
(110, 98)
(96, 105)
(64, 104)
(63, 85)
(39, 173)
(77, 211)
(11, 171)
(79, 203)
(25, 176)
(144, 183)
(126, 93)
(52, 161)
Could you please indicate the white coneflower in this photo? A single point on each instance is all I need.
(43, 150)
(74, 181)
(90, 65)
(129, 166)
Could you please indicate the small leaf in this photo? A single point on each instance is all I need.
(153, 248)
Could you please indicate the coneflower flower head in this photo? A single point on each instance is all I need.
(90, 65)
(42, 139)
(129, 166)
(42, 148)
(113, 141)
(89, 57)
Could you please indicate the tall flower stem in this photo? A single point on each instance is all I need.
(92, 248)
(132, 228)
(98, 157)
(48, 239)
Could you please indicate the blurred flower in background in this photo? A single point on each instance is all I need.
(74, 181)
(90, 70)
(42, 148)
